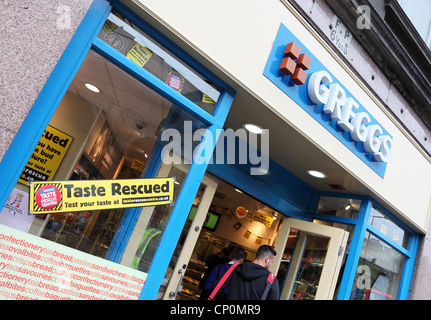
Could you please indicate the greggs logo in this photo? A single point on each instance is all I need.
(295, 64)
(299, 74)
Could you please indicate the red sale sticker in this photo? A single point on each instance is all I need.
(48, 197)
(175, 80)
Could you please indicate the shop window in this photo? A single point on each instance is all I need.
(124, 36)
(379, 271)
(127, 119)
(388, 227)
(114, 131)
(151, 223)
(339, 207)
(419, 13)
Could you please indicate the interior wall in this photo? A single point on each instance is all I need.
(225, 229)
(76, 117)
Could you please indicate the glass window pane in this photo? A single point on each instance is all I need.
(350, 229)
(179, 249)
(307, 279)
(339, 207)
(151, 225)
(129, 118)
(116, 131)
(287, 257)
(388, 227)
(135, 44)
(419, 12)
(379, 271)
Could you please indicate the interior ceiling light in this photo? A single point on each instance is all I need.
(317, 174)
(237, 190)
(253, 128)
(91, 87)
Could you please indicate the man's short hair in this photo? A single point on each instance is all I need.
(264, 251)
(226, 251)
(238, 253)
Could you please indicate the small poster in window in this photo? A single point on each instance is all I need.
(139, 54)
(47, 156)
(384, 229)
(175, 80)
(207, 99)
(15, 211)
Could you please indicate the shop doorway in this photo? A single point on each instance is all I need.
(197, 218)
(214, 226)
(309, 255)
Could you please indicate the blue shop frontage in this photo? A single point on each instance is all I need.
(280, 146)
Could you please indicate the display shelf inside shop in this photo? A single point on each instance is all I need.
(192, 277)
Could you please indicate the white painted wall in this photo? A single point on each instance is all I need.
(238, 35)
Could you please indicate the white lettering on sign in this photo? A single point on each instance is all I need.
(342, 109)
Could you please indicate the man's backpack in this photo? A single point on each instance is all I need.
(222, 280)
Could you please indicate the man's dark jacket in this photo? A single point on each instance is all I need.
(248, 282)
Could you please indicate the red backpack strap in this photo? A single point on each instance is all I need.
(271, 278)
(222, 280)
(269, 282)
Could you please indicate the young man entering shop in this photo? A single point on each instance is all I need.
(238, 255)
(250, 279)
(217, 258)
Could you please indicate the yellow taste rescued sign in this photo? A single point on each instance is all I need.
(83, 195)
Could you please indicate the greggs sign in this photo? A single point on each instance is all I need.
(298, 73)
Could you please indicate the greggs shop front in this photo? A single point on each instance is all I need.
(164, 136)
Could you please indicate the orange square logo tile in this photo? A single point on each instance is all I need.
(295, 64)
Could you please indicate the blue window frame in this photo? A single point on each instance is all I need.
(44, 107)
(362, 227)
